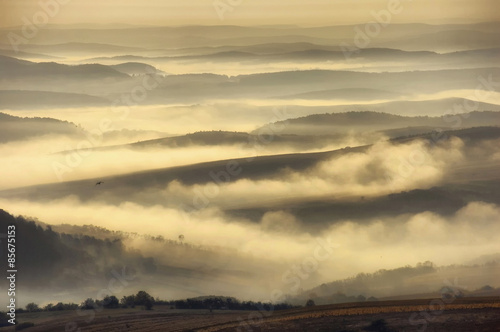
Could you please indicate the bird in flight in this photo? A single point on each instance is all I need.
(99, 183)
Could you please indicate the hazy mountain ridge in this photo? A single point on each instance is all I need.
(446, 41)
(321, 124)
(13, 69)
(25, 99)
(155, 37)
(71, 263)
(257, 168)
(226, 138)
(195, 88)
(14, 128)
(320, 130)
(49, 254)
(316, 215)
(344, 94)
(324, 53)
(135, 68)
(424, 278)
(438, 107)
(26, 55)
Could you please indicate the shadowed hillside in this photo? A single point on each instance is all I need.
(321, 124)
(13, 128)
(21, 99)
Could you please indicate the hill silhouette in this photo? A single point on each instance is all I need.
(14, 128)
(25, 99)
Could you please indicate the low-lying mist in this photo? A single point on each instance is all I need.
(383, 169)
(232, 251)
(183, 165)
(248, 114)
(346, 248)
(172, 119)
(57, 158)
(279, 237)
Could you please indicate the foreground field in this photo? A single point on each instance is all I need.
(161, 318)
(472, 314)
(420, 315)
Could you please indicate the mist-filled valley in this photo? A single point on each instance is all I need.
(266, 163)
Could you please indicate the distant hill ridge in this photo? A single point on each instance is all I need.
(14, 68)
(320, 124)
(26, 99)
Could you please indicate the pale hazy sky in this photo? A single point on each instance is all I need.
(250, 12)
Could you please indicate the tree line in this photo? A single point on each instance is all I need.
(221, 303)
(146, 301)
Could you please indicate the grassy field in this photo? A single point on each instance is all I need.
(470, 314)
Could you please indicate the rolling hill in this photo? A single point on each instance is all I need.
(15, 69)
(195, 88)
(135, 68)
(24, 99)
(344, 94)
(437, 107)
(422, 36)
(338, 123)
(14, 128)
(254, 169)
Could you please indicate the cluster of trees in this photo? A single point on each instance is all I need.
(142, 298)
(225, 303)
(147, 301)
(33, 307)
